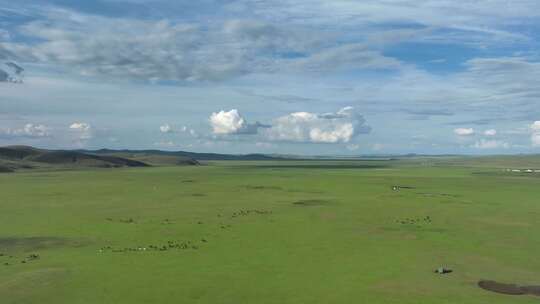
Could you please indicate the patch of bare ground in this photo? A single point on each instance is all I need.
(509, 288)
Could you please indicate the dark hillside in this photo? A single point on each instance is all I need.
(83, 159)
(18, 152)
(14, 158)
(5, 169)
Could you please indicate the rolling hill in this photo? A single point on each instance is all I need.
(18, 152)
(13, 158)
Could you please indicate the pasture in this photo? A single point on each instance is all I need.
(270, 232)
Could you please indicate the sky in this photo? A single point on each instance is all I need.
(315, 77)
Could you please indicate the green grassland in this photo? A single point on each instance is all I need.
(271, 232)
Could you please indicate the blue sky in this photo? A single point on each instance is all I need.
(285, 76)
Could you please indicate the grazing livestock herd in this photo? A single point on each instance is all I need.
(28, 258)
(172, 244)
(413, 221)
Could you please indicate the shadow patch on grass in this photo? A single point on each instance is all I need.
(458, 202)
(312, 202)
(251, 187)
(32, 243)
(305, 191)
(433, 194)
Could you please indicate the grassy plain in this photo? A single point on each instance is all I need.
(270, 232)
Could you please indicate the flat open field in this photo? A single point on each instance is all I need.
(270, 232)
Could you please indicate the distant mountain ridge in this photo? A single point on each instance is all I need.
(193, 155)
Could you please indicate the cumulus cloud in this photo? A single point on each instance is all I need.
(29, 130)
(33, 130)
(464, 131)
(535, 136)
(339, 127)
(231, 122)
(82, 130)
(81, 126)
(490, 132)
(490, 144)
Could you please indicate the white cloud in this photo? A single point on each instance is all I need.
(339, 127)
(82, 130)
(166, 128)
(29, 130)
(170, 129)
(34, 130)
(490, 132)
(229, 122)
(81, 126)
(464, 131)
(339, 133)
(535, 136)
(490, 144)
